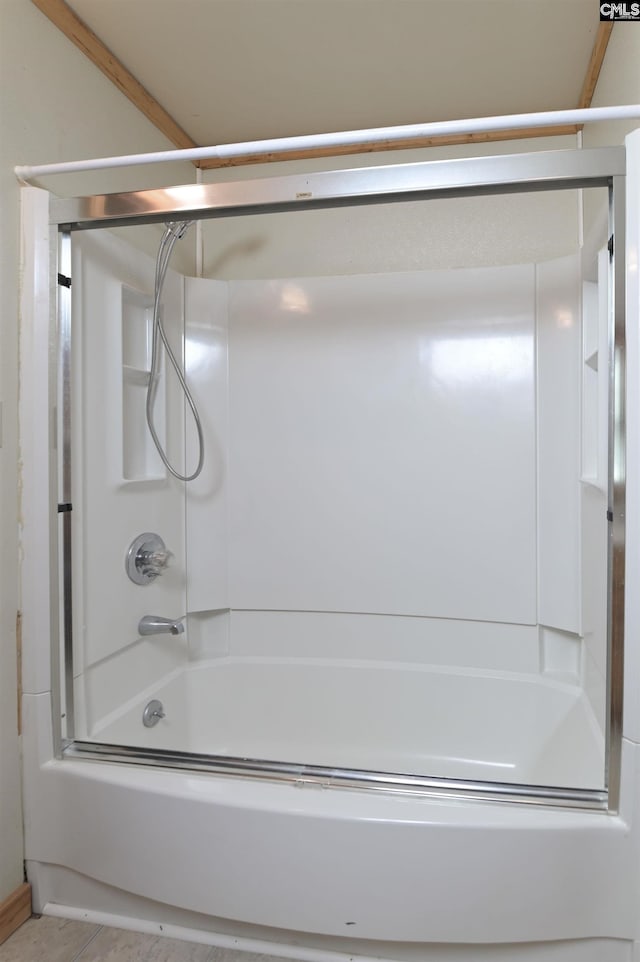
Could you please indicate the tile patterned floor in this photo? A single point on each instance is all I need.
(60, 940)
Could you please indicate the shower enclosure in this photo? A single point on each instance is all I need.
(401, 569)
(396, 556)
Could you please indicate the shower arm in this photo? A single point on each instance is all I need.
(349, 138)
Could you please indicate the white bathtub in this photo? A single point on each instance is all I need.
(376, 716)
(395, 876)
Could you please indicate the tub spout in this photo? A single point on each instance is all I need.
(156, 625)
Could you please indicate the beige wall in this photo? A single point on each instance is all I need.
(439, 234)
(619, 83)
(410, 237)
(54, 106)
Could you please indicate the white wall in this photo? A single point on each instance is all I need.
(392, 397)
(54, 106)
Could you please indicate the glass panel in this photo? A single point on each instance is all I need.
(395, 558)
(123, 494)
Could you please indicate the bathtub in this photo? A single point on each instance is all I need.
(307, 864)
(373, 716)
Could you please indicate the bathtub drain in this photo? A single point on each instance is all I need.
(152, 713)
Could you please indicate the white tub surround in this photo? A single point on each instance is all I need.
(391, 503)
(392, 562)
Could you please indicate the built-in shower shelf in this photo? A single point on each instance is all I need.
(595, 388)
(140, 460)
(135, 375)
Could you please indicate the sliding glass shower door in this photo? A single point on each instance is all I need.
(395, 567)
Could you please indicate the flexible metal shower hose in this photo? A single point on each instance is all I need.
(173, 232)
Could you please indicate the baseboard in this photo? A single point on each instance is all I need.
(15, 910)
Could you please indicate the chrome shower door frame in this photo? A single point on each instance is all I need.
(542, 171)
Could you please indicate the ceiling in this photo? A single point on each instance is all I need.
(236, 70)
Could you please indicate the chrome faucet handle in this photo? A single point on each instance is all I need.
(147, 557)
(153, 563)
(157, 625)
